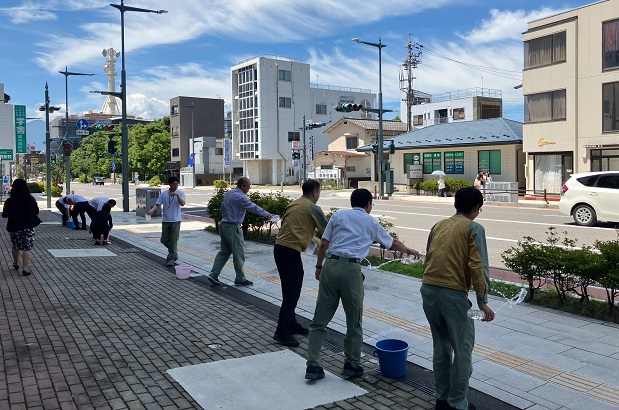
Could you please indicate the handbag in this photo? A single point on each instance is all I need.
(36, 221)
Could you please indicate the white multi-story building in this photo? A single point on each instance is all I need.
(461, 105)
(271, 96)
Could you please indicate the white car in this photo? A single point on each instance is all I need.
(590, 197)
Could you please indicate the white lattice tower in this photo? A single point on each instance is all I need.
(111, 105)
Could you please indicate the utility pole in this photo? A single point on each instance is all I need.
(413, 58)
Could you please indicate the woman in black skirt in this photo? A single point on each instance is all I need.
(21, 209)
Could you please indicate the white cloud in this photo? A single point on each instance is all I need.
(505, 25)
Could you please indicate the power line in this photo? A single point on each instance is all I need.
(509, 74)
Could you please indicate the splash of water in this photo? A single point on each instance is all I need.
(513, 301)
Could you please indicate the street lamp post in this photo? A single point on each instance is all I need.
(48, 157)
(379, 138)
(123, 89)
(66, 74)
(193, 145)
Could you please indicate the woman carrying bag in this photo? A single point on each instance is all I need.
(21, 209)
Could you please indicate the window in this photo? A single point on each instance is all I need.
(489, 161)
(284, 75)
(610, 44)
(175, 152)
(418, 120)
(431, 162)
(610, 107)
(544, 50)
(219, 151)
(321, 109)
(237, 170)
(454, 162)
(352, 142)
(549, 106)
(175, 130)
(285, 102)
(458, 114)
(609, 181)
(174, 110)
(411, 159)
(350, 169)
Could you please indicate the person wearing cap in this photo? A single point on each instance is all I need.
(345, 242)
(299, 222)
(233, 208)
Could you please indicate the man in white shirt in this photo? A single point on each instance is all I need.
(96, 204)
(80, 204)
(345, 242)
(171, 200)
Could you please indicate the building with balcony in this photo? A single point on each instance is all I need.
(271, 97)
(453, 106)
(570, 84)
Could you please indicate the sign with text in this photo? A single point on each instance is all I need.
(6, 154)
(227, 152)
(325, 174)
(20, 129)
(311, 147)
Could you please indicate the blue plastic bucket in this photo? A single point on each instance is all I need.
(70, 224)
(391, 355)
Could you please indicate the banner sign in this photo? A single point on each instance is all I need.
(311, 147)
(227, 152)
(20, 129)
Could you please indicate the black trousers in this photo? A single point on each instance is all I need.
(79, 209)
(63, 212)
(290, 268)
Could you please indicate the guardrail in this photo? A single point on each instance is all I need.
(498, 194)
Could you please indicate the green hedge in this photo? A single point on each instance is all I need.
(220, 184)
(36, 187)
(451, 184)
(154, 181)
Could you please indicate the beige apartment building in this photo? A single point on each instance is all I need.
(571, 94)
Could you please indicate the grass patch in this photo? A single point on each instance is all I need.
(595, 309)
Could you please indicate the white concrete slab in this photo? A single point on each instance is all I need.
(80, 253)
(264, 381)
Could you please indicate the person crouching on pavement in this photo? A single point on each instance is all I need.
(101, 224)
(345, 242)
(64, 208)
(456, 257)
(299, 222)
(80, 206)
(171, 200)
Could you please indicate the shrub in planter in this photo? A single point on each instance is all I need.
(213, 208)
(456, 184)
(35, 187)
(57, 190)
(154, 181)
(220, 184)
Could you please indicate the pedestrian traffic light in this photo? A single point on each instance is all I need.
(348, 107)
(296, 155)
(53, 160)
(101, 127)
(111, 147)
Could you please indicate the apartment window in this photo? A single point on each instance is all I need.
(418, 120)
(350, 169)
(431, 162)
(175, 130)
(284, 75)
(174, 110)
(454, 162)
(610, 44)
(610, 107)
(489, 160)
(544, 50)
(352, 142)
(285, 102)
(321, 109)
(219, 151)
(458, 113)
(548, 106)
(175, 152)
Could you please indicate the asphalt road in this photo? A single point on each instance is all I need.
(413, 219)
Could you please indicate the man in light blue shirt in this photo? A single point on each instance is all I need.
(233, 209)
(171, 201)
(345, 242)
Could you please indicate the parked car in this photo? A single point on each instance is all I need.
(591, 197)
(98, 181)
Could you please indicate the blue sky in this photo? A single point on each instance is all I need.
(190, 50)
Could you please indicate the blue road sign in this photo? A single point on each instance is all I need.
(191, 157)
(82, 124)
(113, 166)
(5, 179)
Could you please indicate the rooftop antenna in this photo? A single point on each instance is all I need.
(110, 105)
(413, 58)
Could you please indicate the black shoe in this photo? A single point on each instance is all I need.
(214, 281)
(26, 272)
(352, 371)
(314, 373)
(441, 405)
(244, 283)
(297, 329)
(16, 266)
(286, 340)
(83, 228)
(77, 228)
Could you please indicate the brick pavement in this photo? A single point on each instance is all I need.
(100, 332)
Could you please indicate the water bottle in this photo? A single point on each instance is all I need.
(475, 314)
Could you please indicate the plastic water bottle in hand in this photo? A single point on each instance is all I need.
(275, 218)
(410, 259)
(475, 314)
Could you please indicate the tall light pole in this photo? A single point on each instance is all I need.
(379, 138)
(66, 74)
(193, 144)
(48, 155)
(123, 89)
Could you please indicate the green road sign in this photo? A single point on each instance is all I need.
(6, 154)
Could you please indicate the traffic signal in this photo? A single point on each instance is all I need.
(101, 127)
(53, 160)
(111, 146)
(348, 107)
(67, 148)
(296, 155)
